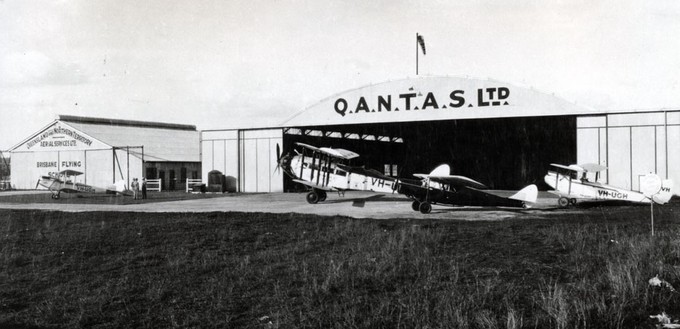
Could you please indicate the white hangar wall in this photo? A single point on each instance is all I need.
(631, 145)
(60, 146)
(248, 156)
(106, 151)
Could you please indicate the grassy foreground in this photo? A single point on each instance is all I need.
(228, 270)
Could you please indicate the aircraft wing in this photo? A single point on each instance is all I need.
(586, 167)
(457, 181)
(337, 153)
(592, 167)
(69, 172)
(576, 168)
(363, 171)
(315, 186)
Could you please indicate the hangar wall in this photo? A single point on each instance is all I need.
(631, 145)
(97, 165)
(248, 156)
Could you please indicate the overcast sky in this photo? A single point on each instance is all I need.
(229, 63)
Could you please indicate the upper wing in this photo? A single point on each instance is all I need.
(586, 167)
(592, 167)
(69, 172)
(576, 168)
(337, 153)
(456, 181)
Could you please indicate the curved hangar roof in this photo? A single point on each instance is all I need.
(433, 98)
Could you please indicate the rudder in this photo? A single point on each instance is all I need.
(527, 194)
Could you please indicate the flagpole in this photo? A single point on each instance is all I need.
(416, 53)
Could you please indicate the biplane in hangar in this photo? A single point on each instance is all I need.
(440, 187)
(64, 181)
(325, 169)
(571, 183)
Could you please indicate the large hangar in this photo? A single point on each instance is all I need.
(501, 134)
(108, 150)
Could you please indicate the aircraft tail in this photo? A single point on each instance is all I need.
(441, 170)
(666, 192)
(527, 194)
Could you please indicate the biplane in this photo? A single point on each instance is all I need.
(64, 181)
(440, 187)
(325, 169)
(572, 183)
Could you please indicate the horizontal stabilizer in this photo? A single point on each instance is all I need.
(527, 194)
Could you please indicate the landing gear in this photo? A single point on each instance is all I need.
(313, 197)
(425, 207)
(55, 196)
(563, 202)
(415, 205)
(572, 201)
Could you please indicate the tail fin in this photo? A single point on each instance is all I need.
(441, 170)
(666, 192)
(527, 194)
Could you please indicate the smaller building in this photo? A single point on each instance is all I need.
(108, 150)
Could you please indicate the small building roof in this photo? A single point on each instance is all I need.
(161, 142)
(166, 142)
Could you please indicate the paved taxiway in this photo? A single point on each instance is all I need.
(353, 204)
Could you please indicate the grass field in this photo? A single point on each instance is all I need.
(81, 198)
(587, 269)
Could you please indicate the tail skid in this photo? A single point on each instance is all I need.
(528, 194)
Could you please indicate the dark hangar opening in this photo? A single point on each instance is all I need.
(503, 153)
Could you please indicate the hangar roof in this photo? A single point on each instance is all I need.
(433, 98)
(162, 141)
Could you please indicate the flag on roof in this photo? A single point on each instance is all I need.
(421, 42)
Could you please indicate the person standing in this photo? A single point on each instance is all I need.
(135, 188)
(143, 188)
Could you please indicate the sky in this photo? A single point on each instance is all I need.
(239, 63)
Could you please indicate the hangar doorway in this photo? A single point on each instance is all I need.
(503, 153)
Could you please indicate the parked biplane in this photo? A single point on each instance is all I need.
(571, 183)
(64, 181)
(440, 187)
(325, 169)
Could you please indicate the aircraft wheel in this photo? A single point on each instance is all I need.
(322, 196)
(425, 208)
(563, 202)
(52, 196)
(415, 205)
(572, 201)
(312, 197)
(56, 196)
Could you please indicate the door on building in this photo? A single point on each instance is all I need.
(172, 180)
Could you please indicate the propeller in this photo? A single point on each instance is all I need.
(37, 183)
(280, 159)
